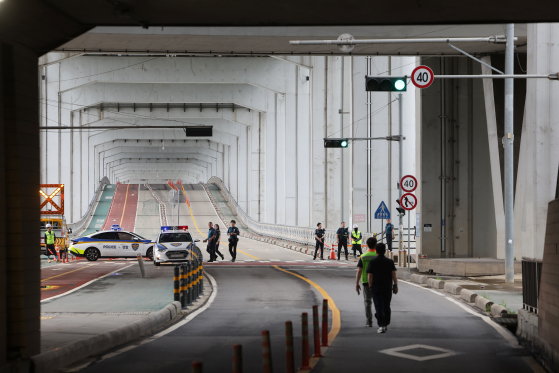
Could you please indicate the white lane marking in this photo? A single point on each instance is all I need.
(173, 327)
(513, 341)
(87, 283)
(398, 351)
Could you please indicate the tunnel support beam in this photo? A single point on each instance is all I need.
(19, 202)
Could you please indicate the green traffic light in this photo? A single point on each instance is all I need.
(343, 144)
(399, 85)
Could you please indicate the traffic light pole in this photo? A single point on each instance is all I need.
(400, 167)
(509, 155)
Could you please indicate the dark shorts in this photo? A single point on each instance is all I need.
(51, 250)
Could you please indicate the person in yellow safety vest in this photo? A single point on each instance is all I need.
(362, 276)
(50, 240)
(356, 241)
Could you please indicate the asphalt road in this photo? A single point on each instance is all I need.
(251, 299)
(432, 333)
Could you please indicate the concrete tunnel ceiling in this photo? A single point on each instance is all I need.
(263, 41)
(47, 24)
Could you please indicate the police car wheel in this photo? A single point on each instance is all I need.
(149, 253)
(92, 254)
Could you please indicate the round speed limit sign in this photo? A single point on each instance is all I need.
(422, 77)
(408, 183)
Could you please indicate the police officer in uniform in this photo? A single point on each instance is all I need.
(342, 235)
(211, 242)
(50, 240)
(356, 241)
(319, 236)
(389, 232)
(233, 233)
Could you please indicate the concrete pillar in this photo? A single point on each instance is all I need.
(542, 141)
(19, 202)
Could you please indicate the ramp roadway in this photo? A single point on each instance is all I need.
(123, 207)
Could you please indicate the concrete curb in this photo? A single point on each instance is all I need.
(419, 279)
(468, 295)
(498, 311)
(435, 284)
(482, 303)
(52, 361)
(452, 288)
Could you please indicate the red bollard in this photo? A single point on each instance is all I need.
(196, 367)
(316, 332)
(289, 357)
(325, 323)
(266, 351)
(237, 359)
(305, 343)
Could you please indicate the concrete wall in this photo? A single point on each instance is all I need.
(472, 161)
(548, 328)
(268, 150)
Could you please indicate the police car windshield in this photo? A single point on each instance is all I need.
(175, 237)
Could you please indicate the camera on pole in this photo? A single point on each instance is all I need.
(386, 83)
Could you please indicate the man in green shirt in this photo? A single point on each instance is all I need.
(364, 261)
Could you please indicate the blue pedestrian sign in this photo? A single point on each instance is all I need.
(382, 212)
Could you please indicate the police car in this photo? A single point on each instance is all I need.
(114, 243)
(173, 245)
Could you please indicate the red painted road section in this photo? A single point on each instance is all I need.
(123, 207)
(59, 279)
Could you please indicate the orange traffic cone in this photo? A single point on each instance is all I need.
(332, 253)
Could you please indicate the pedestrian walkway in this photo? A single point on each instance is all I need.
(107, 304)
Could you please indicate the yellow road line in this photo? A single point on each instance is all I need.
(198, 229)
(65, 273)
(336, 318)
(124, 208)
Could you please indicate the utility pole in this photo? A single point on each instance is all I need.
(400, 166)
(508, 143)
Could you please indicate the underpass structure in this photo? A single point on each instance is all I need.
(105, 119)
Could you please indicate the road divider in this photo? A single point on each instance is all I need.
(305, 363)
(289, 353)
(266, 352)
(237, 358)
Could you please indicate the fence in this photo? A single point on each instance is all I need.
(301, 235)
(162, 209)
(81, 225)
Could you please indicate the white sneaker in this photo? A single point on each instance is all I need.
(380, 330)
(385, 329)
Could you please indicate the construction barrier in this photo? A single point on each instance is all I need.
(316, 332)
(237, 358)
(182, 285)
(197, 367)
(332, 253)
(289, 356)
(325, 323)
(176, 284)
(266, 351)
(305, 363)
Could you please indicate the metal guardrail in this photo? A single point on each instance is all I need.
(162, 208)
(81, 225)
(300, 235)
